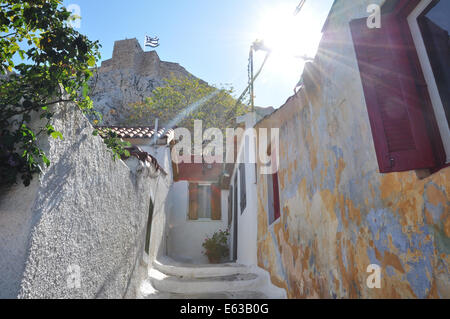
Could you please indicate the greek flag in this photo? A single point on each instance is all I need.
(151, 42)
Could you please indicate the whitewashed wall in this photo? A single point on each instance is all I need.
(185, 237)
(247, 221)
(84, 210)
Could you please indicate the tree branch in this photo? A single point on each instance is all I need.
(5, 36)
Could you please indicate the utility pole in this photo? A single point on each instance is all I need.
(251, 80)
(258, 45)
(299, 7)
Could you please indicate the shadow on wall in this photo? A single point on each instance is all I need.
(79, 230)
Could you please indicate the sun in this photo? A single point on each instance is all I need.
(289, 37)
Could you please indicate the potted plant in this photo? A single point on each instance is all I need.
(216, 246)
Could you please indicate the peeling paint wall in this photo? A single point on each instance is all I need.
(339, 214)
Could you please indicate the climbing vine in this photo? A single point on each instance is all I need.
(43, 61)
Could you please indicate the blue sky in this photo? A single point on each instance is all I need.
(211, 39)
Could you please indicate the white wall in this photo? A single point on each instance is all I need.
(247, 221)
(16, 221)
(162, 154)
(85, 210)
(185, 237)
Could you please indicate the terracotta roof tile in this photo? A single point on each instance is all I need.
(164, 137)
(137, 132)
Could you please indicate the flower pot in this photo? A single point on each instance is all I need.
(213, 260)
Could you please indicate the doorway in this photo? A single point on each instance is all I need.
(149, 228)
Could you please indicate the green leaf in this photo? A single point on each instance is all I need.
(57, 135)
(46, 160)
(85, 89)
(91, 61)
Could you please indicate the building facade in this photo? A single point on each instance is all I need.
(363, 182)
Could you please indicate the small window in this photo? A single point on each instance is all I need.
(204, 201)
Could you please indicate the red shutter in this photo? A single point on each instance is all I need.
(193, 201)
(216, 203)
(394, 95)
(276, 197)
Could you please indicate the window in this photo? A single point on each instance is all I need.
(243, 187)
(204, 202)
(402, 117)
(430, 27)
(273, 191)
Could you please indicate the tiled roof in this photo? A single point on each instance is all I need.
(137, 132)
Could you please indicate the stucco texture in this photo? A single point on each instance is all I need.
(86, 210)
(339, 214)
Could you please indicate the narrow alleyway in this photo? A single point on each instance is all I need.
(172, 280)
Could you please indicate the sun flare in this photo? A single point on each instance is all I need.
(289, 37)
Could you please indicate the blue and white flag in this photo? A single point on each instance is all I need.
(151, 42)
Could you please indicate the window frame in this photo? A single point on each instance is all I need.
(209, 185)
(425, 64)
(429, 155)
(195, 187)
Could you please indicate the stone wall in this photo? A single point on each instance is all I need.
(339, 214)
(129, 76)
(85, 211)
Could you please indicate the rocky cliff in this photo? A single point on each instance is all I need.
(128, 77)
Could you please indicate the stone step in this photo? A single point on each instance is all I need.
(168, 279)
(170, 267)
(185, 285)
(148, 292)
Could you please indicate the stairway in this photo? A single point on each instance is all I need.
(168, 279)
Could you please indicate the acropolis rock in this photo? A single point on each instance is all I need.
(128, 77)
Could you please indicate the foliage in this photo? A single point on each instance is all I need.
(177, 95)
(54, 66)
(216, 246)
(115, 145)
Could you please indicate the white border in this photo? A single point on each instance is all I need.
(429, 76)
